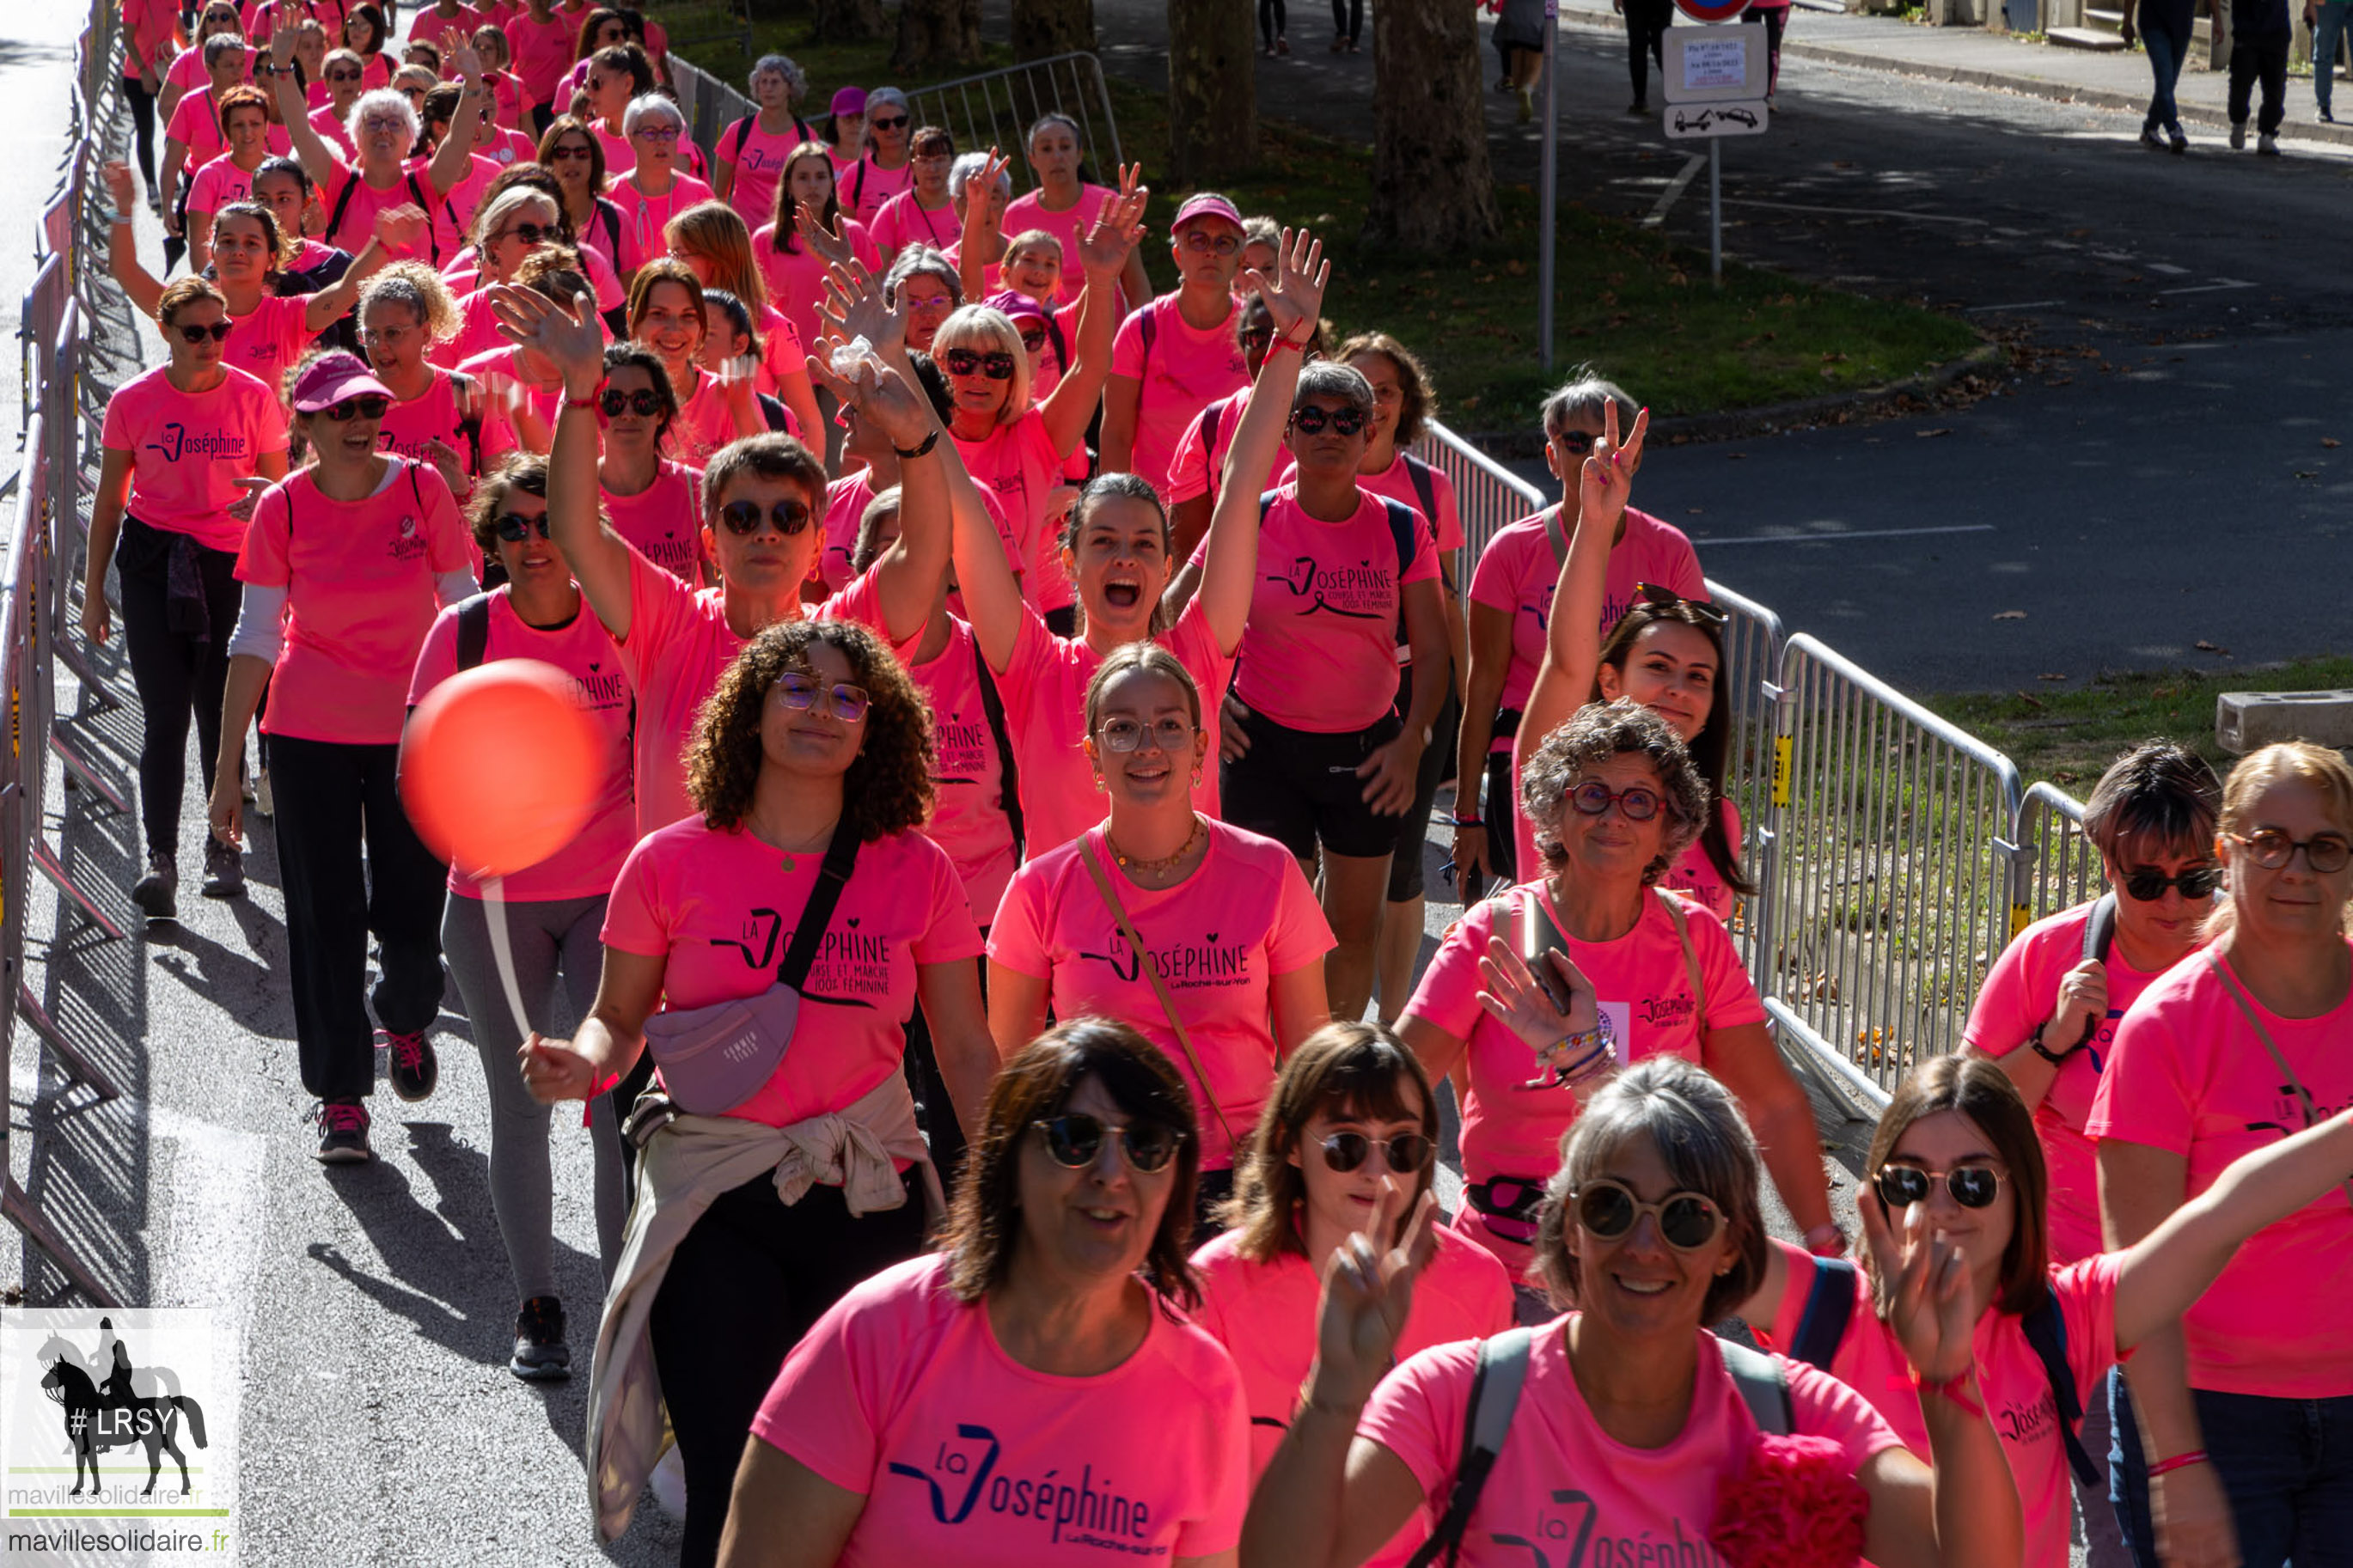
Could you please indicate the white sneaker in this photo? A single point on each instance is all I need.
(668, 1483)
(2238, 134)
(263, 801)
(2267, 145)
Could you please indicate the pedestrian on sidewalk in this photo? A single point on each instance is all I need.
(1272, 18)
(1348, 24)
(1773, 16)
(2260, 35)
(2326, 20)
(1519, 43)
(1646, 40)
(2163, 26)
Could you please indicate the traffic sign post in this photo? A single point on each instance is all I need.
(1714, 89)
(1547, 182)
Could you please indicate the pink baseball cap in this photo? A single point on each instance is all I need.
(1208, 204)
(332, 378)
(850, 100)
(1016, 306)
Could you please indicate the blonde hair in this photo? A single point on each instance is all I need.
(420, 288)
(716, 232)
(2317, 768)
(985, 328)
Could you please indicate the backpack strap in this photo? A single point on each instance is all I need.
(1147, 327)
(993, 706)
(840, 861)
(1829, 1307)
(1762, 1388)
(343, 206)
(1424, 486)
(1691, 958)
(742, 131)
(2100, 929)
(1495, 1384)
(2046, 1331)
(469, 417)
(473, 630)
(1553, 537)
(611, 213)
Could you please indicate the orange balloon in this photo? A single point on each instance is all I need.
(499, 766)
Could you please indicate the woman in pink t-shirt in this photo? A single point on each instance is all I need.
(180, 444)
(813, 743)
(1033, 1393)
(655, 505)
(437, 416)
(1350, 1112)
(2227, 1052)
(1065, 203)
(577, 160)
(926, 284)
(541, 42)
(791, 265)
(656, 190)
(1231, 926)
(194, 135)
(1651, 1227)
(717, 248)
(610, 77)
(751, 154)
(341, 76)
(345, 564)
(509, 227)
(667, 316)
(1198, 472)
(151, 32)
(228, 177)
(1176, 355)
(883, 168)
(923, 214)
(1617, 798)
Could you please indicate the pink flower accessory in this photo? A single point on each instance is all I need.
(1795, 1504)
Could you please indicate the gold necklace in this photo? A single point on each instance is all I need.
(1127, 862)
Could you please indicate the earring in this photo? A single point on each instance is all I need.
(1099, 783)
(1197, 778)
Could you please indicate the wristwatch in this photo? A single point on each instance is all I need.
(2056, 1059)
(930, 441)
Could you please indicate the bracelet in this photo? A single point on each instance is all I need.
(123, 215)
(2181, 1461)
(930, 441)
(1469, 822)
(2034, 1043)
(1953, 1390)
(588, 402)
(1281, 342)
(1826, 1240)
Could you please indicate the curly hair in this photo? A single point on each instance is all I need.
(1598, 732)
(1417, 399)
(418, 288)
(888, 788)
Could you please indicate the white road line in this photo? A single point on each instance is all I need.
(1675, 189)
(1842, 538)
(1854, 212)
(2227, 283)
(2166, 267)
(214, 1232)
(2021, 305)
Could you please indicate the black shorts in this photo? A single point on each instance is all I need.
(1299, 788)
(1407, 873)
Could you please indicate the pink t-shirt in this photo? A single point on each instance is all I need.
(703, 424)
(1198, 468)
(358, 225)
(584, 867)
(1045, 688)
(1028, 211)
(261, 21)
(902, 221)
(1219, 938)
(454, 212)
(505, 393)
(2189, 1075)
(217, 184)
(410, 428)
(845, 499)
(330, 127)
(2020, 992)
(663, 522)
(540, 51)
(1514, 1116)
(1183, 372)
(901, 1394)
(866, 185)
(781, 356)
(147, 27)
(619, 156)
(189, 450)
(1396, 481)
(720, 907)
(1018, 466)
(1694, 874)
(759, 163)
(795, 279)
(268, 341)
(968, 818)
(1265, 1316)
(1321, 651)
(643, 217)
(1871, 1361)
(1631, 1505)
(359, 580)
(188, 70)
(196, 125)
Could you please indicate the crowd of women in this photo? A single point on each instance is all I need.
(1020, 701)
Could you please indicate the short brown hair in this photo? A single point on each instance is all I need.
(1979, 1090)
(183, 291)
(2160, 794)
(770, 457)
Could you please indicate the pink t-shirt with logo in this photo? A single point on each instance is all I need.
(1183, 372)
(901, 1394)
(1513, 1115)
(968, 818)
(189, 450)
(1028, 211)
(1694, 874)
(410, 428)
(720, 908)
(217, 184)
(358, 225)
(1219, 938)
(643, 217)
(865, 186)
(359, 581)
(2188, 1075)
(759, 163)
(540, 51)
(1321, 651)
(796, 279)
(268, 341)
(1265, 1316)
(2018, 1397)
(1628, 1505)
(703, 424)
(2020, 992)
(1018, 466)
(663, 522)
(902, 221)
(781, 357)
(585, 866)
(1045, 688)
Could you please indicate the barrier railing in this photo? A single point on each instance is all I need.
(2057, 864)
(1488, 496)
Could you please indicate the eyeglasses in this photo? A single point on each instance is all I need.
(1311, 420)
(1688, 1221)
(1127, 735)
(997, 365)
(532, 233)
(514, 527)
(1576, 443)
(644, 402)
(368, 406)
(1201, 242)
(218, 331)
(565, 154)
(742, 517)
(1659, 598)
(895, 123)
(661, 130)
(1074, 1138)
(386, 121)
(343, 76)
(1405, 1151)
(1033, 341)
(1900, 1186)
(844, 701)
(2272, 849)
(2146, 884)
(1635, 803)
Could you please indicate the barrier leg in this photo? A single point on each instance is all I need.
(46, 864)
(90, 776)
(78, 1066)
(18, 1210)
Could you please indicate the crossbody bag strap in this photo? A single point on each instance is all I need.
(1495, 1381)
(2254, 1021)
(840, 860)
(1159, 986)
(1691, 958)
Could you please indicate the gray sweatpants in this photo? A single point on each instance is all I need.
(545, 937)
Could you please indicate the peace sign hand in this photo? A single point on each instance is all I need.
(1295, 292)
(1924, 1290)
(1117, 230)
(1606, 479)
(1367, 1293)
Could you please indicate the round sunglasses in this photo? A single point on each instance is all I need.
(1608, 1211)
(997, 365)
(1311, 420)
(1406, 1152)
(192, 333)
(745, 517)
(514, 527)
(644, 402)
(1075, 1139)
(1635, 803)
(1900, 1186)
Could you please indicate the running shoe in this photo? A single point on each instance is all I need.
(415, 1069)
(2267, 145)
(157, 893)
(1281, 45)
(540, 1353)
(668, 1482)
(343, 1133)
(2152, 139)
(224, 870)
(2238, 135)
(2177, 140)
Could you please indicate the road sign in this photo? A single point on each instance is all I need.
(1713, 65)
(1711, 10)
(1686, 121)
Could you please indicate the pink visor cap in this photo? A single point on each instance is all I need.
(1016, 306)
(1206, 205)
(333, 377)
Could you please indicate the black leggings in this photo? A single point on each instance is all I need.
(143, 122)
(1348, 18)
(1646, 40)
(1271, 19)
(747, 1282)
(179, 675)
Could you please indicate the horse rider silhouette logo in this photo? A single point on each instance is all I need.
(112, 1412)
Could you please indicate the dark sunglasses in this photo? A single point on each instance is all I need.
(893, 124)
(2271, 849)
(2146, 884)
(532, 234)
(1636, 805)
(1659, 598)
(343, 76)
(742, 517)
(1033, 341)
(1407, 1151)
(644, 401)
(369, 406)
(565, 154)
(1576, 443)
(218, 331)
(515, 527)
(844, 701)
(1074, 1138)
(1687, 1221)
(1900, 1186)
(1311, 420)
(996, 366)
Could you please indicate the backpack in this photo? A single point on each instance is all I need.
(742, 132)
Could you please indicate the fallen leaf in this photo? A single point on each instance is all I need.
(2205, 647)
(2009, 615)
(1692, 509)
(1925, 435)
(2331, 442)
(2030, 700)
(2051, 676)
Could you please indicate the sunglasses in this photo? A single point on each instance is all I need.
(2272, 849)
(1033, 341)
(1900, 1186)
(565, 154)
(343, 76)
(1659, 598)
(532, 234)
(1634, 804)
(1127, 735)
(1203, 243)
(368, 406)
(1074, 1138)
(1311, 420)
(745, 517)
(218, 331)
(515, 527)
(644, 402)
(894, 123)
(1688, 1221)
(1405, 1152)
(996, 366)
(2146, 884)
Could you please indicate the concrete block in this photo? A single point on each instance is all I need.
(2087, 39)
(2244, 720)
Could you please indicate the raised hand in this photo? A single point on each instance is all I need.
(1118, 228)
(1924, 1290)
(119, 185)
(878, 393)
(447, 463)
(853, 307)
(572, 339)
(826, 244)
(1367, 1293)
(402, 226)
(282, 46)
(1295, 292)
(1606, 479)
(468, 62)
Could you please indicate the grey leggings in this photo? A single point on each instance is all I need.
(544, 936)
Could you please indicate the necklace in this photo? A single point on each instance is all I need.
(1127, 862)
(792, 857)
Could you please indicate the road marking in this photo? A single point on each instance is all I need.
(1853, 212)
(1675, 189)
(2022, 305)
(2227, 283)
(1842, 538)
(215, 1227)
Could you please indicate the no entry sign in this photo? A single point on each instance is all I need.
(1711, 10)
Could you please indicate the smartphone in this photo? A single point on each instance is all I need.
(1533, 943)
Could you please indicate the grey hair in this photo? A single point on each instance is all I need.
(382, 100)
(1262, 230)
(1584, 395)
(966, 169)
(2160, 796)
(1328, 378)
(220, 44)
(1596, 732)
(651, 106)
(881, 95)
(924, 260)
(795, 78)
(1703, 1141)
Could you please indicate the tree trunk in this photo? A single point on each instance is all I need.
(849, 21)
(935, 36)
(1212, 89)
(1432, 187)
(1044, 28)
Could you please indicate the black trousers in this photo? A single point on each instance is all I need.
(1646, 40)
(353, 866)
(1348, 18)
(178, 676)
(1271, 20)
(2261, 61)
(744, 1287)
(143, 124)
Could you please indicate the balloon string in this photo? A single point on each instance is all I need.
(494, 915)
